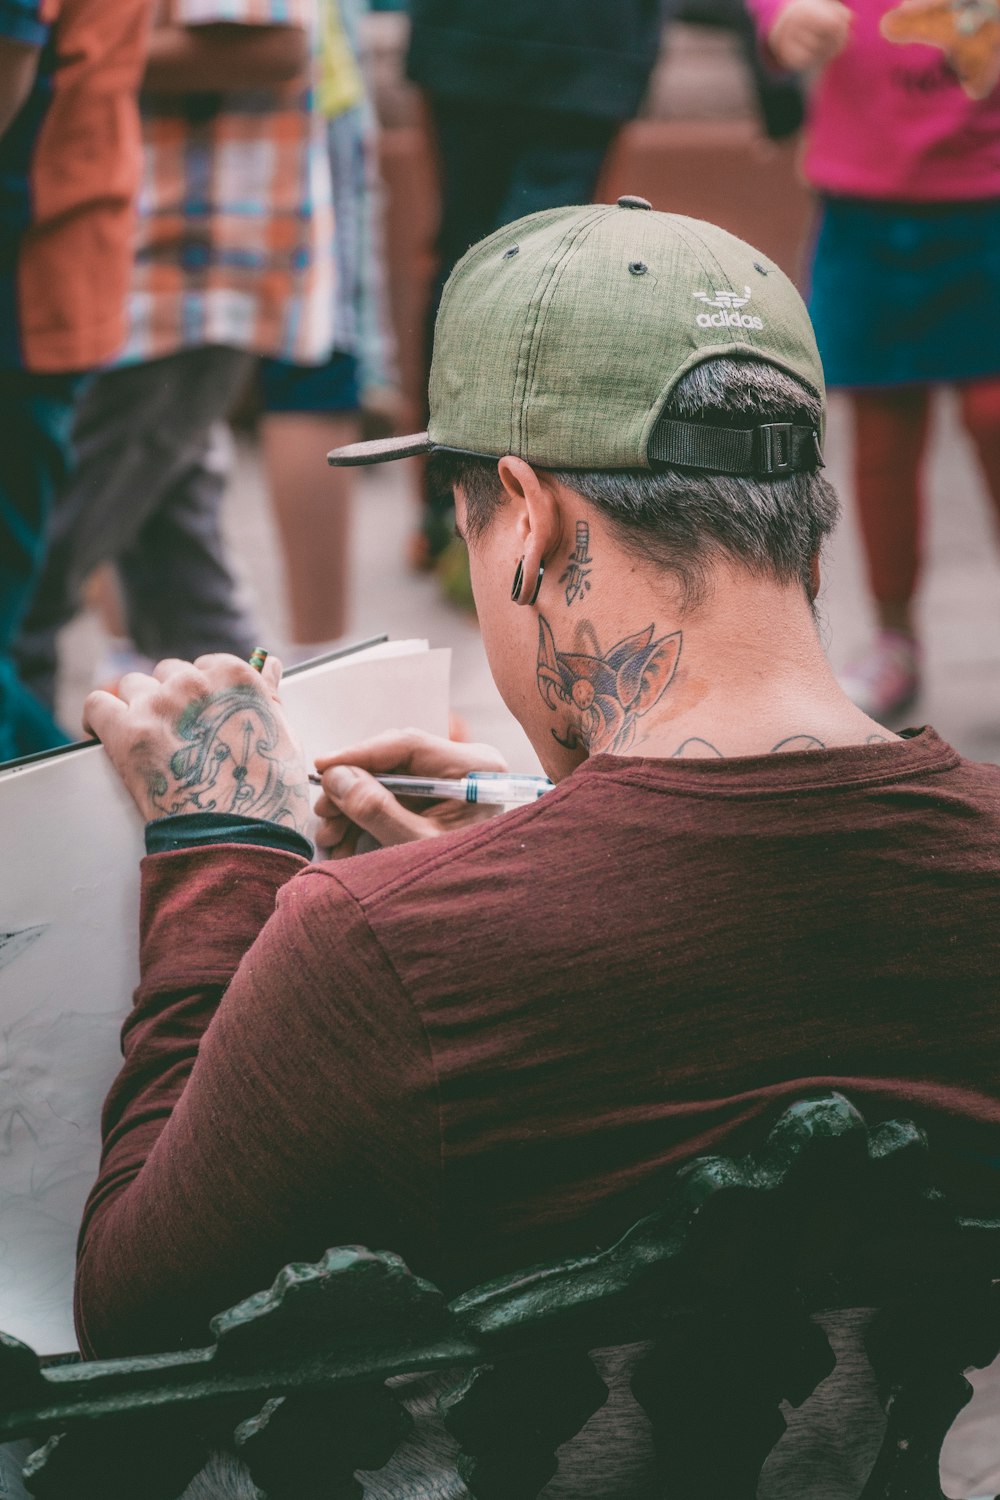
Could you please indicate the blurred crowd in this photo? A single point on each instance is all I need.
(194, 231)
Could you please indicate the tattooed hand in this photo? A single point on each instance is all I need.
(210, 737)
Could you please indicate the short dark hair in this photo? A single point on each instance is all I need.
(684, 519)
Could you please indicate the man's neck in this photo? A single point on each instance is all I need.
(743, 674)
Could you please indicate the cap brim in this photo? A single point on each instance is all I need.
(379, 451)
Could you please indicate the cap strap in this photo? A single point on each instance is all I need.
(773, 448)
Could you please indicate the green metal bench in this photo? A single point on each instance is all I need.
(718, 1283)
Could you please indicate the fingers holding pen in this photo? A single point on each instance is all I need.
(334, 835)
(412, 752)
(353, 802)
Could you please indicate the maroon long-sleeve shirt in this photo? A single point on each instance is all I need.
(495, 1047)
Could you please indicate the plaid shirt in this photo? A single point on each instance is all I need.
(235, 241)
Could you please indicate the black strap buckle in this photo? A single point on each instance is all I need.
(774, 448)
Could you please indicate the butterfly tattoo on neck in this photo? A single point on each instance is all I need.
(605, 693)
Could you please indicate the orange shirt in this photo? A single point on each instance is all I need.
(69, 169)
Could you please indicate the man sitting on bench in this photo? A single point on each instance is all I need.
(488, 1048)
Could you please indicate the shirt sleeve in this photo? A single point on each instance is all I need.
(28, 21)
(276, 1098)
(246, 13)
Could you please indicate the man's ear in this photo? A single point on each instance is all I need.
(536, 508)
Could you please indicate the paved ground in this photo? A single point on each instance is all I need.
(960, 604)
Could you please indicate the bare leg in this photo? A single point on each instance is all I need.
(890, 437)
(891, 434)
(981, 415)
(312, 508)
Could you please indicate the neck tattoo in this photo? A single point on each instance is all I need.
(601, 695)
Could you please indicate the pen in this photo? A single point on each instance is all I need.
(488, 788)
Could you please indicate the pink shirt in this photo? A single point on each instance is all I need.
(892, 122)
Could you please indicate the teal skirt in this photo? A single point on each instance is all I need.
(906, 294)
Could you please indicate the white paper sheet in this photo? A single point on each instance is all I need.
(71, 841)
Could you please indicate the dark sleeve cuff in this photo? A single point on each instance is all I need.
(198, 830)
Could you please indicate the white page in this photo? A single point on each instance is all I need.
(71, 842)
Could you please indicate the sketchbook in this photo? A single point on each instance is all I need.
(69, 911)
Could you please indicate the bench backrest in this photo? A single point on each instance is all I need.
(719, 1282)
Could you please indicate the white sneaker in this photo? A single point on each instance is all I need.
(886, 680)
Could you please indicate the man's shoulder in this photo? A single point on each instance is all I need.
(377, 878)
(672, 815)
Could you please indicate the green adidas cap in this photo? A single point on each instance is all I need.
(560, 337)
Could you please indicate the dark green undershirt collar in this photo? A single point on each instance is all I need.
(198, 830)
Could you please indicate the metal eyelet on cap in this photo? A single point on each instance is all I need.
(758, 267)
(638, 267)
(628, 200)
(509, 254)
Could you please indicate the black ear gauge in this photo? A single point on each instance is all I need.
(518, 584)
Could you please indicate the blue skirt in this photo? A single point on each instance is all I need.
(906, 294)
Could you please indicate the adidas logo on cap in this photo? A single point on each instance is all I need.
(729, 316)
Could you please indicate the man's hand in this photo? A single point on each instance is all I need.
(809, 33)
(210, 737)
(353, 802)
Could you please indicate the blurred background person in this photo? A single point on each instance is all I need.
(778, 96)
(524, 100)
(310, 409)
(234, 259)
(69, 167)
(905, 279)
